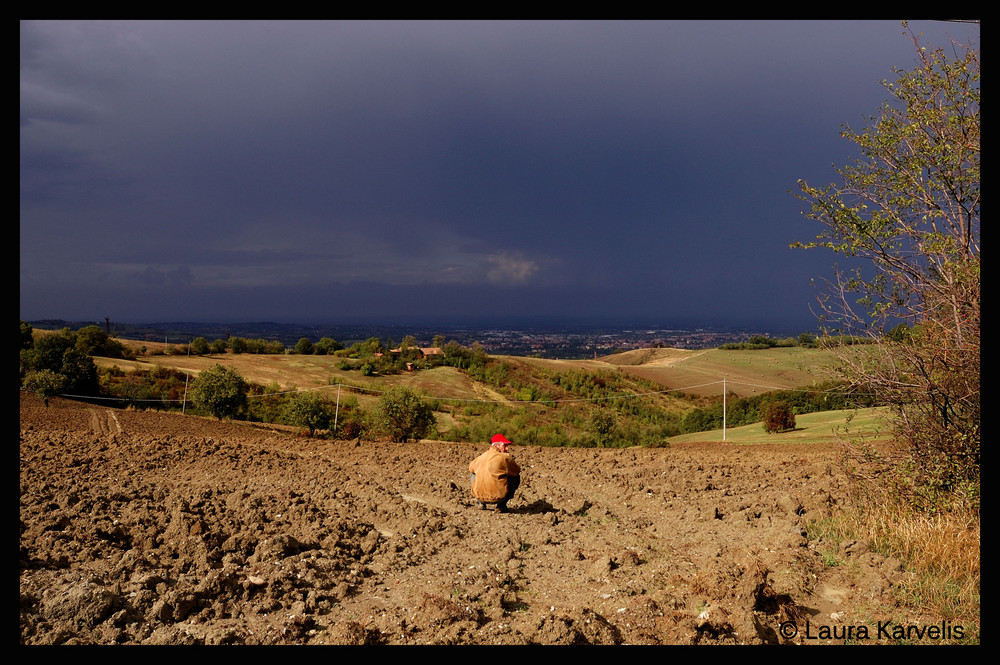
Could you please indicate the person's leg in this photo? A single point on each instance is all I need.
(513, 482)
(472, 480)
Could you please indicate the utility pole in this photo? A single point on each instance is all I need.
(723, 408)
(336, 413)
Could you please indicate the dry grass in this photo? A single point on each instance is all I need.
(943, 552)
(748, 372)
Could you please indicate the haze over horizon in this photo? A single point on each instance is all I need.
(450, 172)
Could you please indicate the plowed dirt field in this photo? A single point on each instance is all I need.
(155, 528)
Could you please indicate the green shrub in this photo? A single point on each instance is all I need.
(44, 382)
(400, 414)
(309, 410)
(221, 391)
(199, 346)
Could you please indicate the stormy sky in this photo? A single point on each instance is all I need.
(437, 172)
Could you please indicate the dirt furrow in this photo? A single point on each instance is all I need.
(151, 528)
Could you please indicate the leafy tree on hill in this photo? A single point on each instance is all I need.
(778, 417)
(221, 391)
(44, 382)
(326, 346)
(58, 353)
(702, 420)
(160, 387)
(472, 358)
(400, 414)
(93, 341)
(603, 426)
(907, 214)
(48, 350)
(265, 346)
(80, 372)
(366, 349)
(27, 335)
(309, 410)
(199, 346)
(762, 341)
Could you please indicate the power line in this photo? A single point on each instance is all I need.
(539, 402)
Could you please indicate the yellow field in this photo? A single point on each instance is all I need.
(699, 373)
(745, 372)
(309, 372)
(702, 372)
(695, 372)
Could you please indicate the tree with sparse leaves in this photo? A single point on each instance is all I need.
(906, 215)
(603, 425)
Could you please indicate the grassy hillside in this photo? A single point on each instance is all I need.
(824, 427)
(746, 372)
(629, 396)
(308, 372)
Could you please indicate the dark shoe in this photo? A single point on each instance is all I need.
(482, 506)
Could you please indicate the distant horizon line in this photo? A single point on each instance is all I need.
(478, 323)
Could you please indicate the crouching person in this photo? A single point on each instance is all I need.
(494, 475)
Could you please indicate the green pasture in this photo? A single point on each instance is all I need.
(822, 427)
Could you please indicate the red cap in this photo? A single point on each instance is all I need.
(499, 438)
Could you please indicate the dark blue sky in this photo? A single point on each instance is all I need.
(437, 172)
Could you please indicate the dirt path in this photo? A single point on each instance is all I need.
(142, 527)
(104, 422)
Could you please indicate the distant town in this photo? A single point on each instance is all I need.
(600, 342)
(552, 342)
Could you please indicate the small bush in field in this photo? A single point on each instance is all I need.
(778, 417)
(400, 414)
(309, 410)
(221, 391)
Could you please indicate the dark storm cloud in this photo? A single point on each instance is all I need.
(339, 170)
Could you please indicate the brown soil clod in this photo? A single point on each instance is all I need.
(155, 528)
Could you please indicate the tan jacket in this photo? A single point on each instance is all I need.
(491, 469)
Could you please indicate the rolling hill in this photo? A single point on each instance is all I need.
(549, 401)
